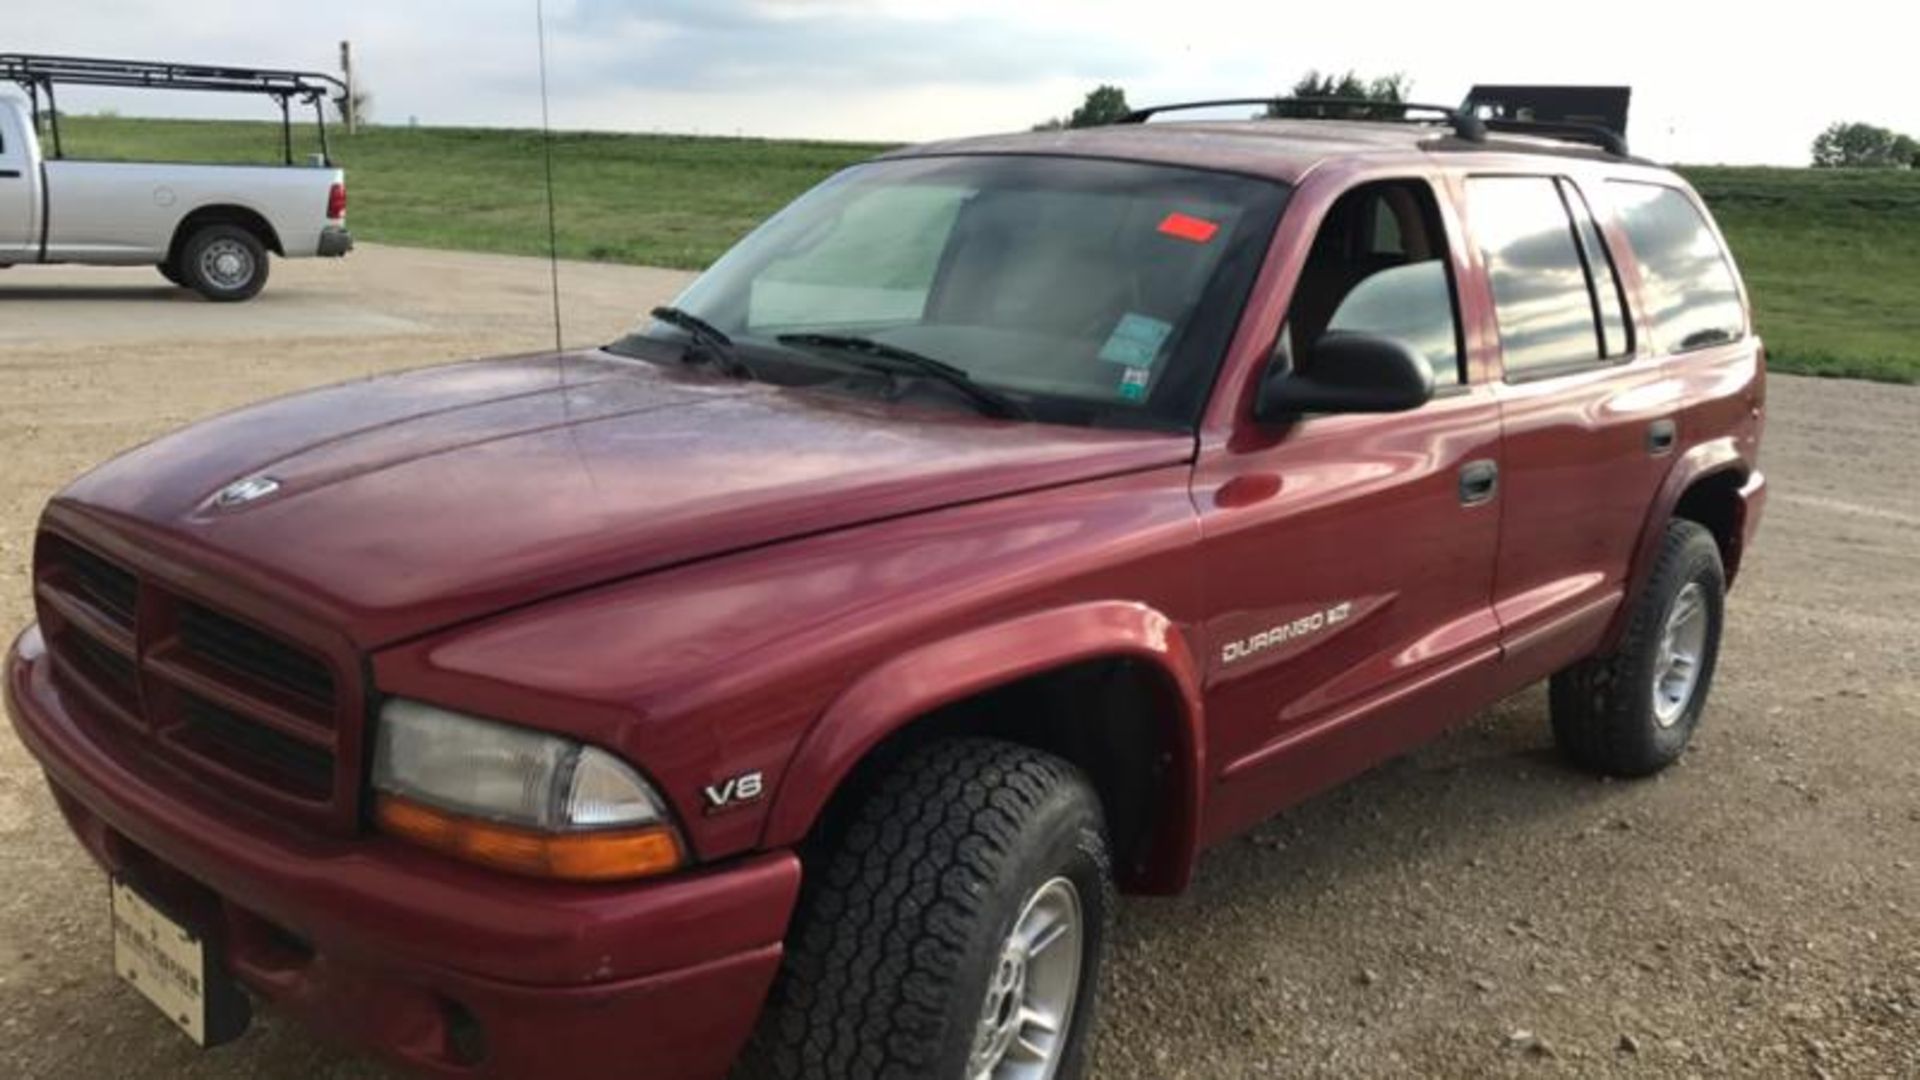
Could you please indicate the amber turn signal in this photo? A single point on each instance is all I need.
(604, 855)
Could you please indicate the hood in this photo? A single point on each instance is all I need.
(402, 504)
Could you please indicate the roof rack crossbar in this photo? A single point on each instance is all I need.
(1465, 125)
(38, 74)
(1572, 131)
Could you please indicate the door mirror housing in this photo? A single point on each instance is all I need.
(1349, 373)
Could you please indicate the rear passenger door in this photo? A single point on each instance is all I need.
(1587, 429)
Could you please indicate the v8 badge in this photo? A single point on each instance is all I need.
(735, 791)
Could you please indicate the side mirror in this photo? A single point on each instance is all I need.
(1350, 373)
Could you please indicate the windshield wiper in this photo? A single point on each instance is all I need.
(707, 340)
(892, 359)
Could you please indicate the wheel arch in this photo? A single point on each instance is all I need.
(1706, 486)
(1112, 687)
(224, 214)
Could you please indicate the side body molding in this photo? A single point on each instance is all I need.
(914, 683)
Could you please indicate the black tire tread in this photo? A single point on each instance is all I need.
(884, 930)
(1592, 723)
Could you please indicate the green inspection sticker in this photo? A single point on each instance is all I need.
(1133, 383)
(1135, 340)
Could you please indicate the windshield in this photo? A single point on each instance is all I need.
(1086, 291)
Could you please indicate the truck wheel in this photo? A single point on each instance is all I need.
(954, 932)
(224, 263)
(1632, 712)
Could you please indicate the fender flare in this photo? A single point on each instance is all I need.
(1702, 460)
(892, 695)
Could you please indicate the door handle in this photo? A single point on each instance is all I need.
(1478, 481)
(1661, 435)
(9, 174)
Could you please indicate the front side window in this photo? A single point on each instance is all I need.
(1091, 291)
(1542, 299)
(1379, 265)
(1686, 280)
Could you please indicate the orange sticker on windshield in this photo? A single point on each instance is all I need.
(1188, 227)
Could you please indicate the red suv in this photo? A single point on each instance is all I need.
(792, 682)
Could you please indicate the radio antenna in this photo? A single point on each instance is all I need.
(546, 146)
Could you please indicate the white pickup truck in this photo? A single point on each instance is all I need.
(209, 228)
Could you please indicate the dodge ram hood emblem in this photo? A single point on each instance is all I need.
(242, 492)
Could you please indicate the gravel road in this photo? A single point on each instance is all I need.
(1474, 909)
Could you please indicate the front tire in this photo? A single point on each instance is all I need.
(1632, 712)
(224, 263)
(954, 932)
(171, 271)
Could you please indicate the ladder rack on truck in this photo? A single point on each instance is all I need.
(39, 74)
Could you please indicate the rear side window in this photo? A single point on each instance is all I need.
(1610, 307)
(1541, 294)
(1687, 283)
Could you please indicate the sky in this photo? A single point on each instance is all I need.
(1713, 81)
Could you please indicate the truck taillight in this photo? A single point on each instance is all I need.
(337, 202)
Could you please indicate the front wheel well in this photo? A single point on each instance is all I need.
(250, 220)
(1115, 719)
(1713, 502)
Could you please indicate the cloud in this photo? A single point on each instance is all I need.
(731, 45)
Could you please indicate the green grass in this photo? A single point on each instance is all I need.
(1832, 257)
(658, 200)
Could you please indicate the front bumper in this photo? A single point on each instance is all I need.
(447, 969)
(335, 241)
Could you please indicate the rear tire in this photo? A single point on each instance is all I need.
(224, 263)
(1632, 712)
(970, 887)
(171, 272)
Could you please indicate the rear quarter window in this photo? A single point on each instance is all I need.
(1686, 278)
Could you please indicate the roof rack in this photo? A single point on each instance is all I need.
(1464, 124)
(1569, 130)
(39, 74)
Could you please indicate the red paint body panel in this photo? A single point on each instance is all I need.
(710, 578)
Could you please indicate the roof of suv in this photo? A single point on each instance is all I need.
(1281, 149)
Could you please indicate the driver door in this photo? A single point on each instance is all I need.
(1349, 560)
(17, 185)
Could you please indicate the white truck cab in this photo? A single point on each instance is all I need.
(210, 228)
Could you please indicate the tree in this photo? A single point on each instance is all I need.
(1864, 146)
(1387, 88)
(1104, 105)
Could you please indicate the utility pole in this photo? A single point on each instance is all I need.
(352, 104)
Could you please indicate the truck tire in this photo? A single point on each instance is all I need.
(1631, 712)
(171, 271)
(224, 263)
(954, 931)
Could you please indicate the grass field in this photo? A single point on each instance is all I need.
(1832, 257)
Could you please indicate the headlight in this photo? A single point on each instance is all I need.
(516, 799)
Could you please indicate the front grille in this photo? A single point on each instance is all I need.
(238, 706)
(108, 587)
(241, 649)
(244, 746)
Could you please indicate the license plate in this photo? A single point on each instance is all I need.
(162, 959)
